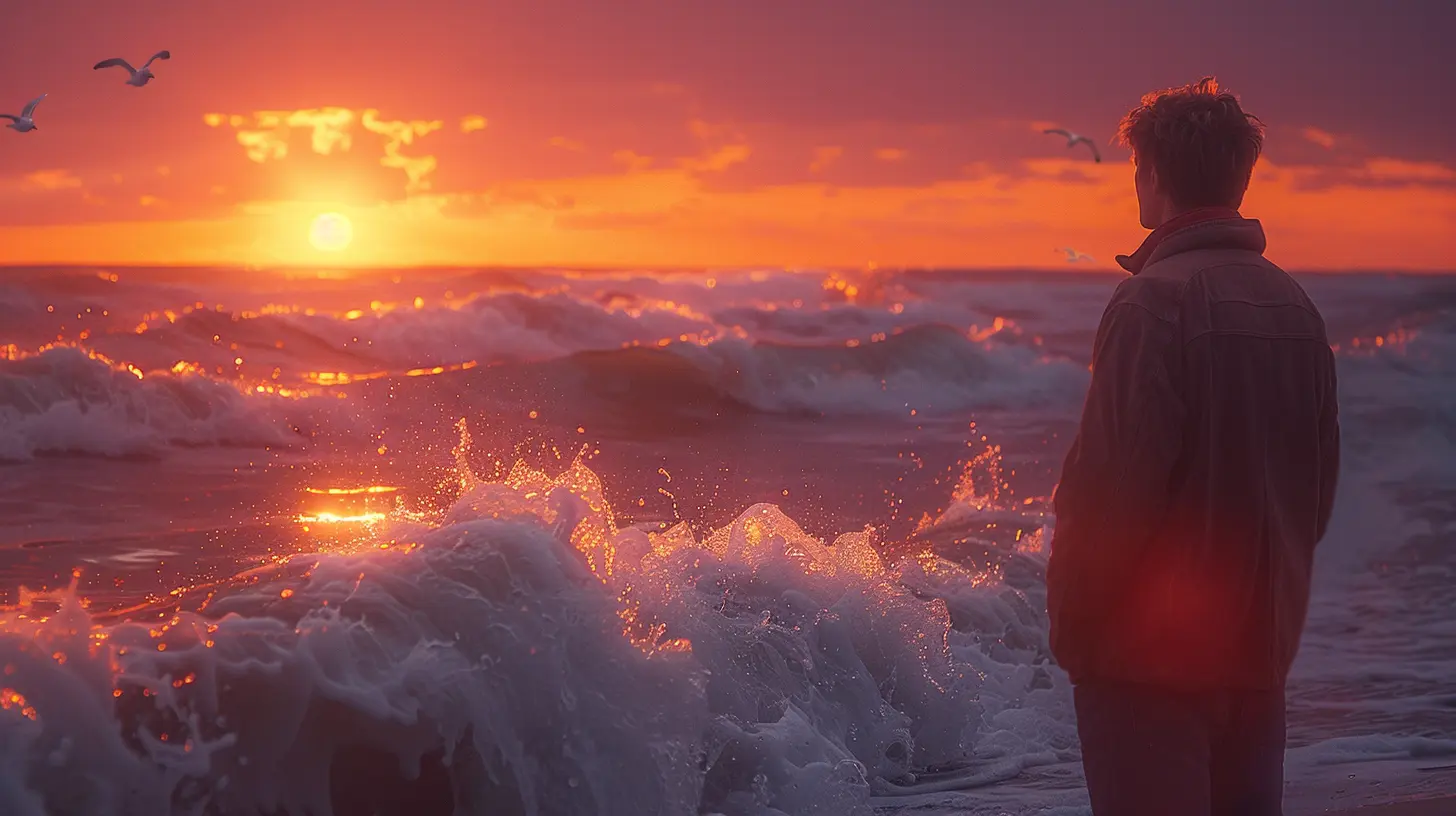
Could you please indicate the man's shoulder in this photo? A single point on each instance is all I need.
(1216, 275)
(1184, 266)
(1156, 294)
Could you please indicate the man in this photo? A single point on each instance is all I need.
(1201, 478)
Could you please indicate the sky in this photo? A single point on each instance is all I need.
(703, 134)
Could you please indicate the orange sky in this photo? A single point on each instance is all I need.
(567, 134)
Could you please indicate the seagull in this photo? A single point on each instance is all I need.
(1074, 138)
(26, 120)
(1073, 255)
(139, 76)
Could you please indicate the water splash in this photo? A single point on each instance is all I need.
(519, 652)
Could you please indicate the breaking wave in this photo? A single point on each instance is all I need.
(519, 653)
(65, 400)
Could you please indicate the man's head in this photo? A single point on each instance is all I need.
(1193, 147)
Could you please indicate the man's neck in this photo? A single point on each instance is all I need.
(1172, 213)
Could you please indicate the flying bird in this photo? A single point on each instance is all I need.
(26, 120)
(1073, 255)
(1074, 138)
(139, 76)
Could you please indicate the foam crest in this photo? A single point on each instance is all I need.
(66, 400)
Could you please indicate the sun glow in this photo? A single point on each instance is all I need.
(331, 232)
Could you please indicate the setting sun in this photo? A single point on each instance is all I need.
(331, 232)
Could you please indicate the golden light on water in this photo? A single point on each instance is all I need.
(331, 232)
(350, 491)
(349, 505)
(336, 518)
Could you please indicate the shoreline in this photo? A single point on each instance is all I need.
(1439, 806)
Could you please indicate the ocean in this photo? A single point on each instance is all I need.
(551, 542)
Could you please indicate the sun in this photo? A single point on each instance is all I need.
(331, 232)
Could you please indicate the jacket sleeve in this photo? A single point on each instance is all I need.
(1329, 447)
(1115, 483)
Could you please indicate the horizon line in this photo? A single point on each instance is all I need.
(682, 269)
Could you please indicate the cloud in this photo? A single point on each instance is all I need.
(707, 130)
(472, 123)
(991, 215)
(890, 154)
(50, 180)
(668, 214)
(1400, 171)
(1322, 138)
(723, 146)
(401, 132)
(266, 135)
(718, 160)
(566, 144)
(1373, 172)
(1071, 171)
(633, 161)
(825, 156)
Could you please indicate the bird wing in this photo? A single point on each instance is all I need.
(12, 117)
(114, 61)
(1059, 132)
(160, 55)
(30, 107)
(1096, 154)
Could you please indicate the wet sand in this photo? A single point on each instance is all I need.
(1442, 806)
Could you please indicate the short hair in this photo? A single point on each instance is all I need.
(1199, 140)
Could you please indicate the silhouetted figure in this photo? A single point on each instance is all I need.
(1201, 479)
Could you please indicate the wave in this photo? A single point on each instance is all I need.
(502, 327)
(926, 370)
(522, 654)
(65, 400)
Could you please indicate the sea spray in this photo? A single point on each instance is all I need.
(521, 653)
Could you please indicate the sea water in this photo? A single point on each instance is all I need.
(549, 542)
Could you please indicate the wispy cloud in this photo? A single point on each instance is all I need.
(891, 154)
(472, 123)
(566, 144)
(723, 147)
(50, 180)
(1323, 138)
(825, 156)
(1373, 172)
(1398, 171)
(634, 162)
(720, 159)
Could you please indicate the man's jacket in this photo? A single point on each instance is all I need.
(1203, 473)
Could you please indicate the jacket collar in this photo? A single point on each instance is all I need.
(1203, 228)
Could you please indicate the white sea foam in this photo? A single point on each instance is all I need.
(541, 655)
(66, 401)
